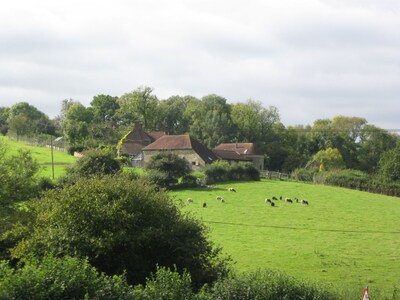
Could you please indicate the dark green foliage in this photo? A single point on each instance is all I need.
(223, 171)
(352, 179)
(95, 162)
(304, 174)
(120, 225)
(67, 278)
(169, 167)
(268, 285)
(389, 165)
(160, 178)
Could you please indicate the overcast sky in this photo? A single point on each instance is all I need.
(311, 59)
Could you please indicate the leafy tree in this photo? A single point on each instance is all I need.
(389, 164)
(25, 119)
(172, 114)
(140, 105)
(329, 159)
(253, 121)
(120, 225)
(4, 112)
(76, 124)
(211, 122)
(104, 107)
(373, 143)
(170, 164)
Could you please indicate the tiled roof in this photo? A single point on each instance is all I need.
(239, 148)
(230, 155)
(182, 142)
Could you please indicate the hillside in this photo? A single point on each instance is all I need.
(43, 156)
(346, 238)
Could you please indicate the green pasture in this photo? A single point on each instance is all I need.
(344, 238)
(43, 156)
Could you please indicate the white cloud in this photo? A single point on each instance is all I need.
(312, 59)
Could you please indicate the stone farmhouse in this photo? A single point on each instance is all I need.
(140, 146)
(184, 146)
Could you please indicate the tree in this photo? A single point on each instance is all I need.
(373, 143)
(389, 164)
(170, 164)
(4, 112)
(139, 105)
(172, 114)
(104, 107)
(211, 120)
(253, 121)
(95, 162)
(120, 225)
(26, 120)
(329, 159)
(76, 124)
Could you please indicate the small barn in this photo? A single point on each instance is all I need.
(134, 141)
(240, 152)
(184, 146)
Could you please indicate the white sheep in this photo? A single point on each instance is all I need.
(190, 200)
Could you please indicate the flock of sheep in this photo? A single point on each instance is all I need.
(267, 200)
(287, 200)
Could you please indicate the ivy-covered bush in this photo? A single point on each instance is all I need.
(221, 171)
(56, 278)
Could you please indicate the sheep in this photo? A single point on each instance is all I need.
(222, 200)
(231, 189)
(288, 200)
(204, 205)
(280, 198)
(219, 198)
(297, 200)
(267, 200)
(190, 200)
(274, 198)
(305, 202)
(272, 204)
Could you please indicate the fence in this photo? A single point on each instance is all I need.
(274, 175)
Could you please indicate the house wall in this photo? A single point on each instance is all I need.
(258, 161)
(194, 160)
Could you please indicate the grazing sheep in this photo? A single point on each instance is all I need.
(222, 200)
(305, 202)
(204, 205)
(267, 200)
(280, 198)
(219, 198)
(190, 200)
(272, 203)
(231, 189)
(274, 198)
(297, 200)
(288, 200)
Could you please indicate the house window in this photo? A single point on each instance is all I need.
(195, 163)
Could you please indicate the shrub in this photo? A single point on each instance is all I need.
(120, 225)
(222, 171)
(95, 162)
(304, 174)
(55, 278)
(267, 284)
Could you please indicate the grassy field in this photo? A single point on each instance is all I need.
(345, 238)
(43, 156)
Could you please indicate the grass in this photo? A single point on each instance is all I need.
(345, 238)
(43, 156)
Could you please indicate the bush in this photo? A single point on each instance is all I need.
(304, 174)
(120, 225)
(223, 171)
(267, 284)
(95, 162)
(159, 178)
(67, 278)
